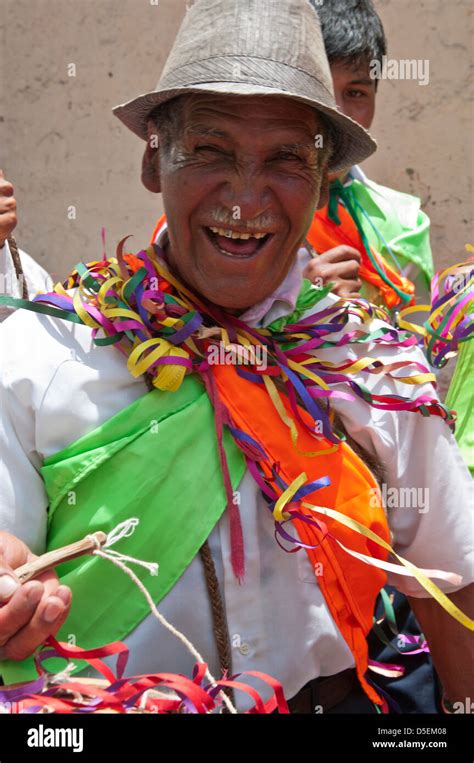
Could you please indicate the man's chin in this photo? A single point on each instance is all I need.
(231, 304)
(233, 310)
(233, 285)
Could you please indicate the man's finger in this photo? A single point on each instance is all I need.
(51, 582)
(345, 271)
(19, 610)
(7, 204)
(340, 254)
(350, 295)
(348, 289)
(9, 584)
(48, 618)
(6, 188)
(13, 552)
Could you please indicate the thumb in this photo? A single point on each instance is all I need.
(8, 586)
(8, 581)
(2, 174)
(13, 552)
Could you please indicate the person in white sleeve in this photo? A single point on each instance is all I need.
(11, 277)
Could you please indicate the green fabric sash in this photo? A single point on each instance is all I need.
(156, 460)
(460, 397)
(394, 222)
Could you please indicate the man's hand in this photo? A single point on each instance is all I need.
(8, 219)
(451, 644)
(339, 265)
(31, 612)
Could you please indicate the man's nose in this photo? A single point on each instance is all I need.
(248, 191)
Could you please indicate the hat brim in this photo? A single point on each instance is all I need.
(352, 143)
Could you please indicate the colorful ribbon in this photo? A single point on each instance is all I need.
(450, 320)
(164, 330)
(128, 694)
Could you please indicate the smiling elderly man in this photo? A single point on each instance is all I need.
(279, 172)
(247, 134)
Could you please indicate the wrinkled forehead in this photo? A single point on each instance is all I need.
(224, 115)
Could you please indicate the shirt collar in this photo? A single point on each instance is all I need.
(355, 173)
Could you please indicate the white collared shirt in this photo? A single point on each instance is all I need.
(56, 386)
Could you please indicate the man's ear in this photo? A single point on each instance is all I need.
(150, 161)
(324, 190)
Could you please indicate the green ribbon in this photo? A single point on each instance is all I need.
(142, 463)
(460, 397)
(307, 298)
(338, 191)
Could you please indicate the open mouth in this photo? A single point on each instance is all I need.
(237, 243)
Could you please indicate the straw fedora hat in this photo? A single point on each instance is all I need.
(253, 47)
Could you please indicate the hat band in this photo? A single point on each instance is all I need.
(244, 72)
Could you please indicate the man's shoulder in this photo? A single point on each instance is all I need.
(25, 326)
(37, 277)
(33, 346)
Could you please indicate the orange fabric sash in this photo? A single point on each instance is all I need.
(350, 586)
(157, 228)
(324, 234)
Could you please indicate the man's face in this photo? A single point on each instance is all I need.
(242, 166)
(355, 91)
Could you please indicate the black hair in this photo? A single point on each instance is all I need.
(352, 31)
(167, 118)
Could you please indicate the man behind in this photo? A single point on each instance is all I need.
(391, 223)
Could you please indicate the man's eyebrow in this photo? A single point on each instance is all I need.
(212, 132)
(297, 146)
(367, 81)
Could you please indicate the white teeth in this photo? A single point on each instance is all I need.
(234, 234)
(222, 232)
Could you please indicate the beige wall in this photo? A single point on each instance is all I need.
(61, 146)
(425, 133)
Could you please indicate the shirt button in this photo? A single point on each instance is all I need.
(244, 649)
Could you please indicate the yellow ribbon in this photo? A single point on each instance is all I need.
(425, 581)
(281, 410)
(280, 515)
(169, 377)
(286, 497)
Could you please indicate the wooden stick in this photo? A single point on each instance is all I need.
(52, 558)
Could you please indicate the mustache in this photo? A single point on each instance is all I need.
(225, 218)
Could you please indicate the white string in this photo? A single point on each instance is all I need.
(124, 530)
(64, 676)
(152, 567)
(184, 640)
(144, 699)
